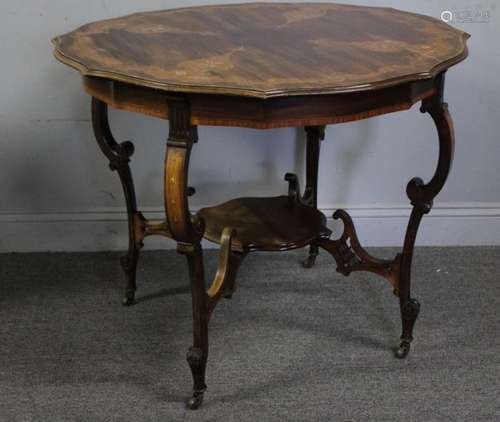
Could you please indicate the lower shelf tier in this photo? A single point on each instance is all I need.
(265, 224)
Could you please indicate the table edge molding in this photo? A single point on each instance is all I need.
(255, 93)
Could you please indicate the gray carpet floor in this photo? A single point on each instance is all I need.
(292, 345)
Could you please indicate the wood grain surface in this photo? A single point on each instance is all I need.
(265, 224)
(265, 49)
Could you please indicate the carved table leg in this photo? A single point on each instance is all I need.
(351, 256)
(188, 235)
(421, 196)
(119, 157)
(198, 353)
(315, 134)
(187, 230)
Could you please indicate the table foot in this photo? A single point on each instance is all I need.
(409, 314)
(311, 258)
(403, 349)
(129, 265)
(194, 402)
(197, 362)
(128, 298)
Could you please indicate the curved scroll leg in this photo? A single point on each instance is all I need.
(421, 196)
(119, 157)
(315, 134)
(187, 231)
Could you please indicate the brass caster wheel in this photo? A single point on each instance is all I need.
(402, 351)
(129, 298)
(195, 402)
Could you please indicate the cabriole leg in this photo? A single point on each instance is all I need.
(315, 134)
(119, 155)
(187, 231)
(421, 196)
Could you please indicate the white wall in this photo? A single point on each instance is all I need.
(57, 192)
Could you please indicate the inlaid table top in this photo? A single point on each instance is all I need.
(265, 50)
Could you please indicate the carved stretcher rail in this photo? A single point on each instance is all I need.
(351, 256)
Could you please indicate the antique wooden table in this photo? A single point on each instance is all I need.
(263, 65)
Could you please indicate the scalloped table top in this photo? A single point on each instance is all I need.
(265, 50)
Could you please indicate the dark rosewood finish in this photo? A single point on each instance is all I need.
(421, 196)
(269, 224)
(315, 134)
(200, 69)
(304, 110)
(265, 50)
(119, 157)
